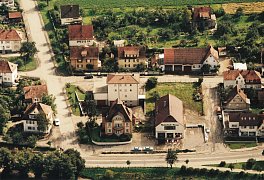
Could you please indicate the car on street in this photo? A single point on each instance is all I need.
(136, 149)
(148, 148)
(56, 122)
(88, 76)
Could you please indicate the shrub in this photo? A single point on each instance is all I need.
(124, 137)
(222, 164)
(41, 5)
(151, 83)
(109, 174)
(183, 170)
(250, 163)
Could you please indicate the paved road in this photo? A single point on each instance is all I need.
(66, 137)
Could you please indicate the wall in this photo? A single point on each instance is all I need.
(131, 63)
(160, 129)
(66, 21)
(13, 46)
(81, 65)
(237, 104)
(81, 42)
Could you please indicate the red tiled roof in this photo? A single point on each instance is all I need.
(38, 91)
(200, 12)
(132, 50)
(188, 55)
(249, 75)
(80, 32)
(43, 108)
(7, 67)
(14, 15)
(122, 79)
(77, 52)
(169, 109)
(10, 35)
(119, 107)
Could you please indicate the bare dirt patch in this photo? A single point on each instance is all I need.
(253, 7)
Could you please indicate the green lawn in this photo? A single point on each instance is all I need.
(241, 145)
(258, 164)
(28, 66)
(184, 91)
(73, 100)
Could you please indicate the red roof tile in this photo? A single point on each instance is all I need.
(250, 76)
(200, 12)
(80, 32)
(10, 35)
(7, 67)
(84, 52)
(32, 92)
(122, 79)
(141, 50)
(14, 15)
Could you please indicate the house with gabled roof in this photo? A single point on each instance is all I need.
(189, 59)
(10, 41)
(15, 17)
(244, 124)
(8, 73)
(244, 79)
(236, 100)
(118, 120)
(81, 35)
(70, 14)
(169, 119)
(34, 94)
(85, 58)
(30, 121)
(129, 57)
(203, 18)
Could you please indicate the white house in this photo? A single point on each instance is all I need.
(10, 41)
(169, 121)
(8, 3)
(242, 78)
(240, 66)
(119, 43)
(8, 73)
(81, 35)
(244, 124)
(70, 14)
(30, 121)
(189, 59)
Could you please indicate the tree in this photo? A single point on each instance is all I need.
(171, 157)
(155, 96)
(3, 9)
(151, 83)
(239, 12)
(231, 166)
(90, 105)
(76, 160)
(128, 163)
(140, 67)
(37, 165)
(50, 101)
(43, 122)
(4, 117)
(109, 174)
(22, 161)
(89, 66)
(31, 141)
(187, 161)
(206, 68)
(250, 163)
(222, 164)
(6, 159)
(27, 50)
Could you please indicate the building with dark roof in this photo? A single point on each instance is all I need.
(243, 124)
(85, 58)
(189, 59)
(118, 120)
(70, 14)
(169, 118)
(81, 35)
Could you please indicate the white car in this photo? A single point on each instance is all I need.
(56, 122)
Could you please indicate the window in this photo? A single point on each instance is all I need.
(115, 90)
(126, 130)
(127, 124)
(130, 84)
(29, 128)
(32, 116)
(233, 126)
(109, 124)
(251, 127)
(109, 130)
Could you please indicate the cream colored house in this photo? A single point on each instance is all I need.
(8, 73)
(30, 121)
(131, 56)
(118, 120)
(10, 41)
(81, 35)
(169, 119)
(242, 79)
(244, 124)
(8, 3)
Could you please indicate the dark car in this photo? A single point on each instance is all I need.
(88, 76)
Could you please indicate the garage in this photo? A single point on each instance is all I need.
(187, 68)
(177, 68)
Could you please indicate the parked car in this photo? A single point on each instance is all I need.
(136, 149)
(56, 122)
(220, 117)
(148, 148)
(88, 76)
(207, 130)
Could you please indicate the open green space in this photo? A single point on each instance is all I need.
(70, 90)
(161, 173)
(241, 145)
(257, 165)
(183, 91)
(140, 3)
(25, 66)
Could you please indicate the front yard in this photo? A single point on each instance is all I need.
(241, 145)
(183, 91)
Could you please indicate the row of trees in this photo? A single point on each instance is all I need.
(54, 165)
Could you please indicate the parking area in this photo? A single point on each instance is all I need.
(194, 138)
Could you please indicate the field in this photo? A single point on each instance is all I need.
(87, 4)
(184, 91)
(256, 7)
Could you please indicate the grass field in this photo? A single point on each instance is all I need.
(73, 100)
(29, 66)
(184, 91)
(241, 145)
(248, 8)
(143, 3)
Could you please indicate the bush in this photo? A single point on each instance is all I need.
(250, 163)
(109, 174)
(222, 164)
(151, 83)
(183, 170)
(124, 137)
(41, 6)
